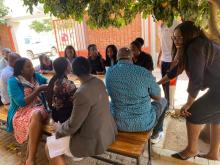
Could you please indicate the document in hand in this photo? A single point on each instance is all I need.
(59, 146)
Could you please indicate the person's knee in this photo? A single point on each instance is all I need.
(36, 116)
(163, 103)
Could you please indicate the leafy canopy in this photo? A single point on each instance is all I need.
(3, 11)
(105, 13)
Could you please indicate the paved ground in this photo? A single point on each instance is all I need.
(13, 154)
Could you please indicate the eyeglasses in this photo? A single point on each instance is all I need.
(174, 38)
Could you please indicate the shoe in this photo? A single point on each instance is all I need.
(156, 138)
(179, 156)
(202, 155)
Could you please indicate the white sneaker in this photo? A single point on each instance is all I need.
(157, 138)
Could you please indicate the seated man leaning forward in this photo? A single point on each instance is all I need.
(131, 89)
(91, 128)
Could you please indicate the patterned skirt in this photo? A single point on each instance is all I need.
(22, 119)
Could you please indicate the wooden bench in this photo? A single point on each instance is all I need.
(130, 145)
(3, 113)
(127, 144)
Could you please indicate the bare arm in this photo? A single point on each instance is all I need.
(185, 108)
(190, 100)
(156, 98)
(163, 80)
(35, 93)
(159, 58)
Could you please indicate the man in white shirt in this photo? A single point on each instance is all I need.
(3, 61)
(4, 58)
(6, 73)
(165, 56)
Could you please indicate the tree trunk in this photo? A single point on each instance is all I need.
(214, 33)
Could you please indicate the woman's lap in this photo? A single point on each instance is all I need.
(206, 110)
(22, 119)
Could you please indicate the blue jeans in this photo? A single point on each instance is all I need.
(160, 108)
(165, 66)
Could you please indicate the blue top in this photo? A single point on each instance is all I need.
(16, 95)
(130, 87)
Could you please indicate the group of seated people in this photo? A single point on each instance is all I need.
(98, 64)
(86, 122)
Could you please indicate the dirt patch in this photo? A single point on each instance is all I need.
(176, 136)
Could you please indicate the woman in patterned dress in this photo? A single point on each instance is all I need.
(27, 111)
(61, 91)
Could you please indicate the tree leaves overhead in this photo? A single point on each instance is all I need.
(105, 13)
(3, 11)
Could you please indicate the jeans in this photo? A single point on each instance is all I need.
(160, 108)
(165, 66)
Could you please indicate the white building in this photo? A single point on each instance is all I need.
(19, 19)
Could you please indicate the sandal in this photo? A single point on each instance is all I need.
(179, 156)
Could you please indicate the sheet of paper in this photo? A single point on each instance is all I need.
(56, 147)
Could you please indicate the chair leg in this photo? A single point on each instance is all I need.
(149, 152)
(138, 161)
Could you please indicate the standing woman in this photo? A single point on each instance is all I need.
(26, 113)
(111, 55)
(200, 58)
(70, 53)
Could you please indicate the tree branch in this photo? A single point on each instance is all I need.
(213, 26)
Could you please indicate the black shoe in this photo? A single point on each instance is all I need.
(179, 156)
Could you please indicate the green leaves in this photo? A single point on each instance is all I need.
(117, 13)
(198, 11)
(43, 26)
(3, 11)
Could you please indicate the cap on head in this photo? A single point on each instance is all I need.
(124, 53)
